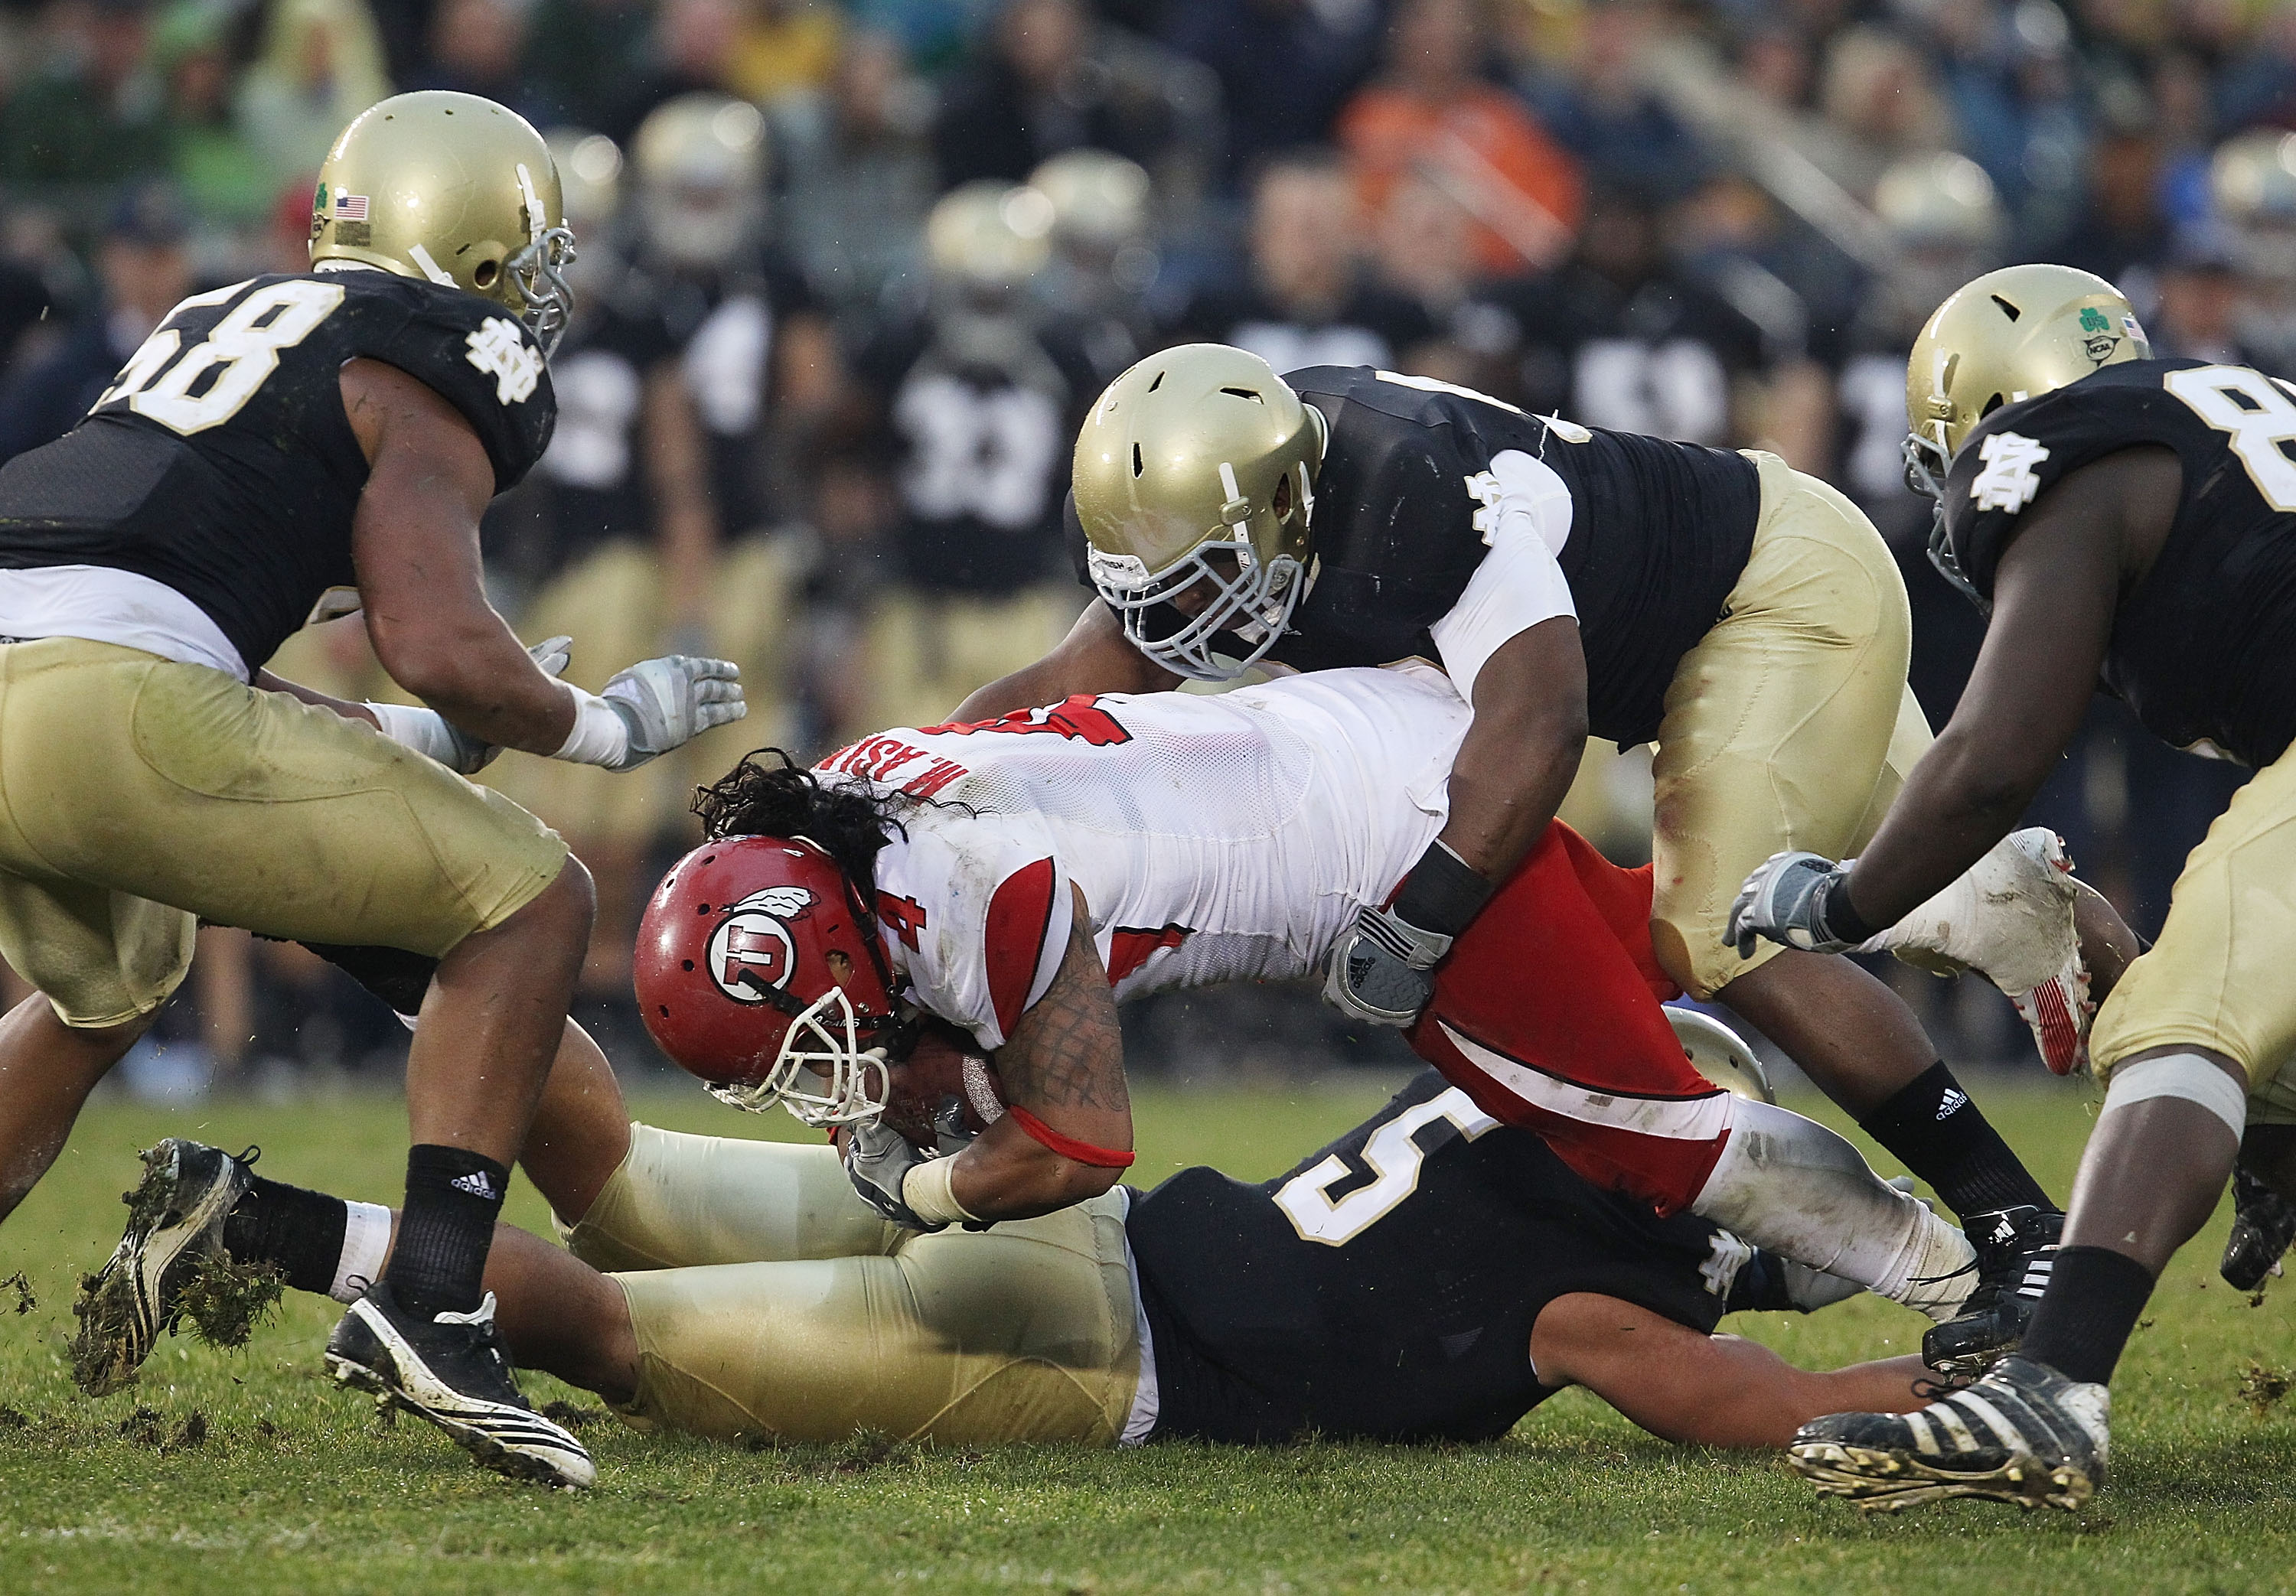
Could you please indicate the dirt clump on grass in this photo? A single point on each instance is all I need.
(25, 1301)
(2262, 1389)
(224, 1301)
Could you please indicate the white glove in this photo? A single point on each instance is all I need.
(653, 707)
(431, 733)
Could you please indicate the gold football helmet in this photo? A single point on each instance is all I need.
(455, 190)
(701, 162)
(1198, 466)
(2002, 338)
(989, 238)
(2252, 188)
(1100, 200)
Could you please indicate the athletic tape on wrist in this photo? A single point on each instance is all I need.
(367, 1242)
(599, 736)
(2187, 1075)
(1069, 1147)
(926, 1189)
(1442, 892)
(422, 730)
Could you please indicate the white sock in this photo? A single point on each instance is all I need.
(1790, 1185)
(367, 1242)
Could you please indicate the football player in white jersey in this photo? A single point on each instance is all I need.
(1016, 878)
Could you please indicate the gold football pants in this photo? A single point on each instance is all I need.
(1788, 726)
(2219, 977)
(769, 1300)
(138, 795)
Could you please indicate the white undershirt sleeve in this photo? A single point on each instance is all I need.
(1518, 586)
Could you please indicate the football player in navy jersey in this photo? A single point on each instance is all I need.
(280, 450)
(1430, 1275)
(977, 394)
(1744, 617)
(2129, 522)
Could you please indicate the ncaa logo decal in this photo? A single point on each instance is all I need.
(752, 941)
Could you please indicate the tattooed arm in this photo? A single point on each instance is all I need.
(1064, 1063)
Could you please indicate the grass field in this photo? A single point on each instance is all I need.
(235, 1474)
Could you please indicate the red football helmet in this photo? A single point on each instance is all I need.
(759, 969)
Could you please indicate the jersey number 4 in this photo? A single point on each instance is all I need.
(2259, 413)
(1394, 1154)
(228, 365)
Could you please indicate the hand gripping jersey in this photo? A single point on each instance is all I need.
(1423, 483)
(1215, 839)
(1423, 1244)
(220, 461)
(2204, 648)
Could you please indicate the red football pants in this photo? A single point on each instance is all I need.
(1546, 1014)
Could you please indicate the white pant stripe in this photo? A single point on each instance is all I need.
(1676, 1119)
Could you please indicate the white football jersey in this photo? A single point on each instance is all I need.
(1214, 838)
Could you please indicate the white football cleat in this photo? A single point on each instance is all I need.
(2011, 916)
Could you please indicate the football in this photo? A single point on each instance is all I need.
(944, 1082)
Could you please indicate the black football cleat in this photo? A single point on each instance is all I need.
(175, 1235)
(2263, 1225)
(451, 1369)
(2023, 1434)
(2015, 1248)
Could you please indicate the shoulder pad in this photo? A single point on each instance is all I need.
(481, 360)
(2022, 450)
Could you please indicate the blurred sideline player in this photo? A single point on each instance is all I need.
(977, 393)
(292, 447)
(648, 500)
(1430, 1275)
(1305, 297)
(2253, 195)
(2125, 521)
(1104, 259)
(1946, 225)
(1744, 617)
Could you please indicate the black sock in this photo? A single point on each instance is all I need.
(300, 1231)
(444, 1229)
(2094, 1297)
(1931, 1125)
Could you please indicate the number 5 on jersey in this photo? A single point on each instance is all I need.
(234, 359)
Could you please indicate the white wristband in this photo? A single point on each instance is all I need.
(422, 730)
(927, 1191)
(599, 736)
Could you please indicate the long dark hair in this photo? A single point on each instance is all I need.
(755, 798)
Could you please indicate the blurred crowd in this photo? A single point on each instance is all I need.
(850, 271)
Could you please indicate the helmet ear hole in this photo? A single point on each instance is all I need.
(488, 270)
(1989, 406)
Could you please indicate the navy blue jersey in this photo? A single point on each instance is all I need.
(220, 461)
(1659, 532)
(2204, 647)
(1386, 1288)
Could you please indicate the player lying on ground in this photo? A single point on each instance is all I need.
(280, 450)
(1029, 873)
(1430, 1275)
(1745, 618)
(2133, 522)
